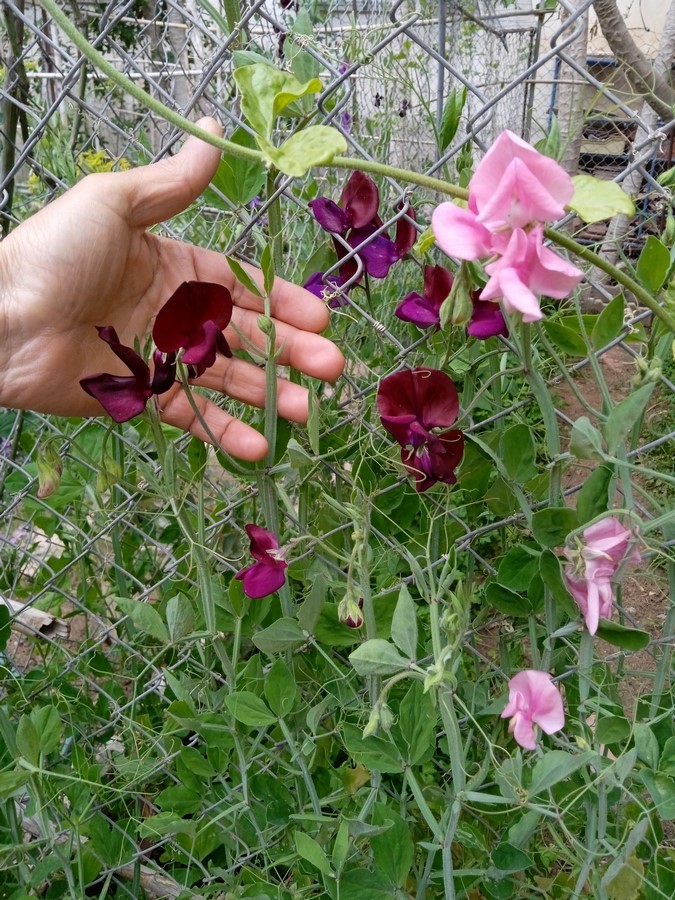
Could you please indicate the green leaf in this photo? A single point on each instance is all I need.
(165, 823)
(180, 617)
(5, 626)
(595, 199)
(393, 851)
(280, 688)
(628, 882)
(27, 740)
(612, 730)
(265, 91)
(313, 146)
(360, 884)
(452, 113)
(646, 745)
(340, 846)
(144, 617)
(653, 264)
(556, 766)
(565, 338)
(550, 145)
(313, 421)
(197, 455)
(303, 65)
(48, 727)
(373, 752)
(249, 709)
(507, 858)
(243, 277)
(506, 600)
(662, 790)
(518, 450)
(417, 718)
(312, 852)
(551, 526)
(310, 610)
(667, 761)
(267, 266)
(284, 634)
(593, 498)
(609, 323)
(625, 414)
(242, 58)
(586, 440)
(240, 180)
(377, 657)
(550, 570)
(404, 624)
(621, 636)
(516, 569)
(11, 782)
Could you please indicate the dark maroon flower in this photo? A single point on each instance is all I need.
(349, 611)
(327, 288)
(356, 219)
(125, 396)
(191, 323)
(267, 574)
(406, 233)
(487, 319)
(425, 310)
(413, 404)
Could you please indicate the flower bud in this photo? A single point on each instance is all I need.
(373, 722)
(386, 717)
(458, 307)
(49, 469)
(349, 611)
(109, 473)
(266, 325)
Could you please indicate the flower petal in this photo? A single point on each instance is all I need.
(378, 254)
(406, 233)
(181, 320)
(487, 320)
(329, 215)
(459, 233)
(360, 199)
(122, 396)
(259, 580)
(418, 310)
(519, 199)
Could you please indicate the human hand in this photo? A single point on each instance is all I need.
(87, 260)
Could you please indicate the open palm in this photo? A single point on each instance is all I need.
(88, 260)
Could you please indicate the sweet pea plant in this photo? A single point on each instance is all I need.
(390, 661)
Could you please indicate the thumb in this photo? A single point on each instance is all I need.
(163, 189)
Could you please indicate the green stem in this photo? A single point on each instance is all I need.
(543, 398)
(275, 224)
(299, 759)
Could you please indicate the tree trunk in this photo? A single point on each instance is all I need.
(571, 90)
(645, 80)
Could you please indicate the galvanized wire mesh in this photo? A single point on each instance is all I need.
(387, 68)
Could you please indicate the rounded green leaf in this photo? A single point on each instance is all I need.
(595, 199)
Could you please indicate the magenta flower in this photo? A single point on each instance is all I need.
(125, 396)
(413, 404)
(527, 269)
(533, 700)
(594, 565)
(424, 310)
(356, 219)
(267, 574)
(487, 319)
(514, 189)
(191, 324)
(327, 288)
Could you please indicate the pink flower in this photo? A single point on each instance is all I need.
(513, 191)
(594, 565)
(267, 574)
(525, 270)
(515, 185)
(533, 700)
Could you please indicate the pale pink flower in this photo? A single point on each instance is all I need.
(533, 700)
(513, 191)
(515, 185)
(526, 270)
(594, 565)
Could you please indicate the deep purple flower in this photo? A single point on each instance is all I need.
(192, 321)
(125, 396)
(356, 219)
(267, 574)
(424, 309)
(327, 288)
(487, 319)
(414, 403)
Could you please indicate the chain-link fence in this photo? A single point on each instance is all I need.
(139, 781)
